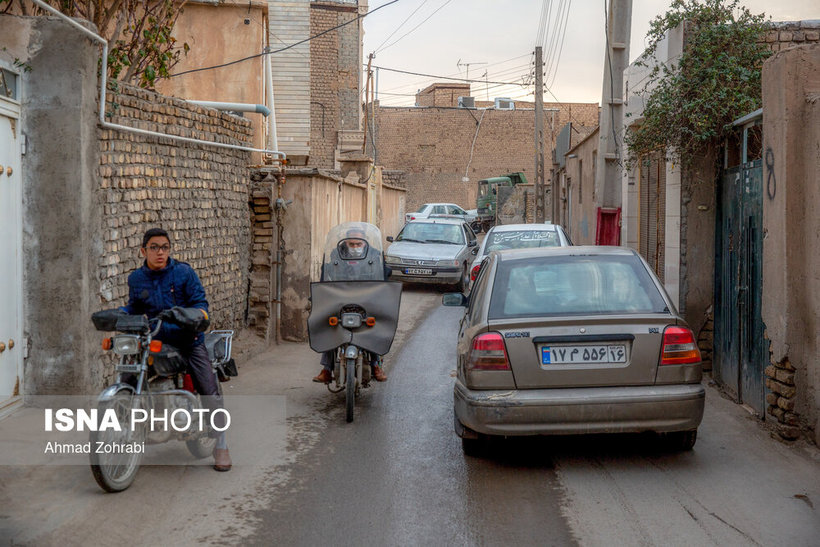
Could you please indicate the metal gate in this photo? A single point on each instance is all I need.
(739, 348)
(11, 346)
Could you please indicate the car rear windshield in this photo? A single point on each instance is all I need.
(521, 239)
(574, 285)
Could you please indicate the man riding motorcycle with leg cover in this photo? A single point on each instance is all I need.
(352, 259)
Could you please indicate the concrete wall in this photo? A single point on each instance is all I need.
(581, 205)
(321, 200)
(61, 238)
(791, 286)
(218, 34)
(433, 146)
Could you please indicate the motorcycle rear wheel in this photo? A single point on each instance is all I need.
(201, 447)
(115, 472)
(350, 389)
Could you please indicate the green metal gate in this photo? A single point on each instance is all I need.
(740, 356)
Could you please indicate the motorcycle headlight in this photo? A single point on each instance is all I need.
(351, 320)
(126, 344)
(392, 259)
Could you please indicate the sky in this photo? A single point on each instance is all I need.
(494, 41)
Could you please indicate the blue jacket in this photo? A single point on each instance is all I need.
(151, 292)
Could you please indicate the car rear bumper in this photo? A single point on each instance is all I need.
(580, 410)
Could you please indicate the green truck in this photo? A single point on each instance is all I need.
(488, 203)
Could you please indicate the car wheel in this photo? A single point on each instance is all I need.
(682, 441)
(464, 282)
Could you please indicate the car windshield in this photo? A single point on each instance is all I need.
(574, 285)
(424, 232)
(521, 239)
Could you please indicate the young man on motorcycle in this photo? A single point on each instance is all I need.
(160, 284)
(348, 256)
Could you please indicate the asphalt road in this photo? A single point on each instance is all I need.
(397, 476)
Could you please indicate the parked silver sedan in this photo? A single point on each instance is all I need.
(518, 236)
(573, 340)
(435, 250)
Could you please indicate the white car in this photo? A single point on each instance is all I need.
(518, 236)
(441, 210)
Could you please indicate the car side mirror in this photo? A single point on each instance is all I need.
(390, 239)
(454, 299)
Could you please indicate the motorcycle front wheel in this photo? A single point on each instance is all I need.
(350, 388)
(116, 455)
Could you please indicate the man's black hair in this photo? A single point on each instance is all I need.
(154, 232)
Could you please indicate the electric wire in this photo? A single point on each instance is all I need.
(398, 27)
(417, 26)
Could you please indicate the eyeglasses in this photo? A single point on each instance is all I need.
(158, 248)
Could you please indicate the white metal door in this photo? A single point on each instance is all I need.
(11, 346)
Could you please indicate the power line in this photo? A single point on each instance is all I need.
(417, 26)
(401, 25)
(417, 83)
(444, 77)
(357, 18)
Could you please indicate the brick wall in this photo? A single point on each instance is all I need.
(198, 193)
(433, 145)
(335, 68)
(786, 34)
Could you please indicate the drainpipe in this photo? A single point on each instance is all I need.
(235, 107)
(273, 140)
(104, 80)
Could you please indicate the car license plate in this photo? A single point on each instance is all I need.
(564, 355)
(418, 271)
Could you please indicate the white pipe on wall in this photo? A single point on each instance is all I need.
(104, 80)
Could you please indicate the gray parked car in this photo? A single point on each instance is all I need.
(435, 250)
(573, 340)
(444, 210)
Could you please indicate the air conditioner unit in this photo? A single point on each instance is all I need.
(466, 102)
(503, 103)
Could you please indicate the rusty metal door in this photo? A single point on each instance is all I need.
(739, 345)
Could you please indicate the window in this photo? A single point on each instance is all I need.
(580, 182)
(524, 239)
(574, 285)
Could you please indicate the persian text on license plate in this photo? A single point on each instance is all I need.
(418, 271)
(562, 355)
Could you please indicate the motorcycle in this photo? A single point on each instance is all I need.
(354, 311)
(151, 380)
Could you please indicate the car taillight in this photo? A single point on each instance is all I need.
(412, 217)
(679, 347)
(488, 353)
(474, 272)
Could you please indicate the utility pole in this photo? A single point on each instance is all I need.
(367, 98)
(540, 188)
(608, 183)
